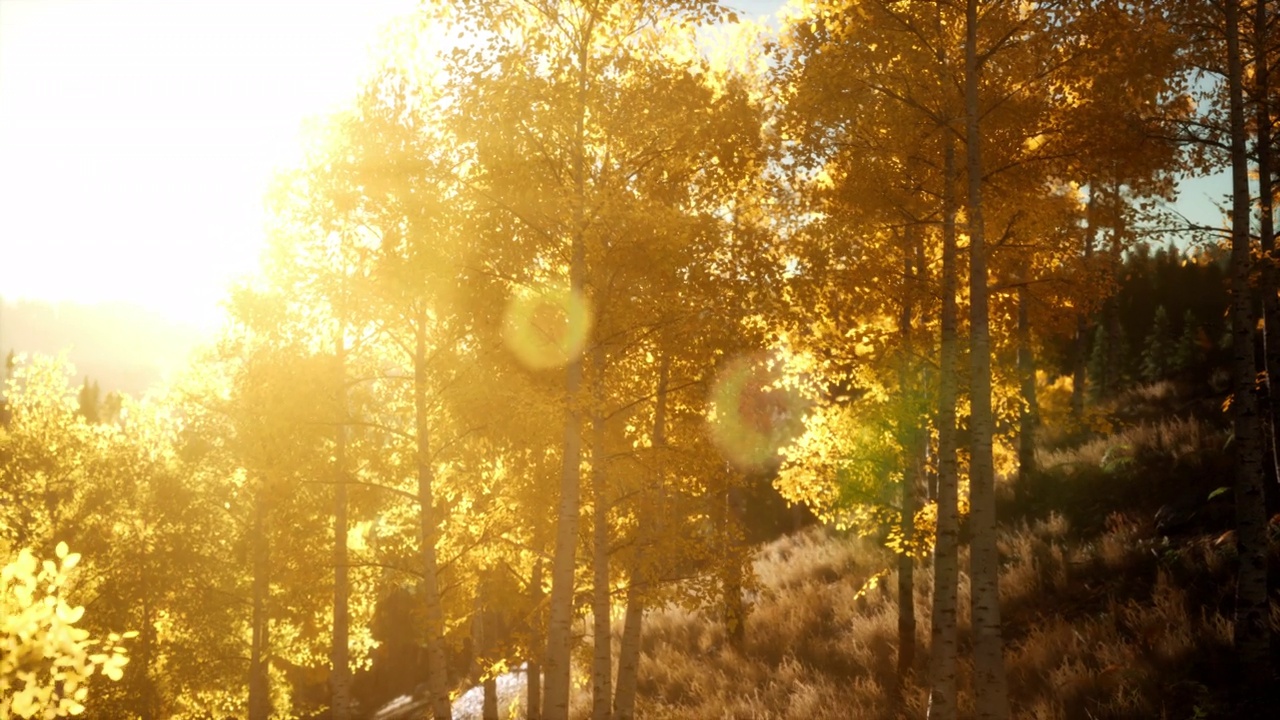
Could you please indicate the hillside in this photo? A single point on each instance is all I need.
(123, 347)
(1111, 610)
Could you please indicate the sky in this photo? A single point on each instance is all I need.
(137, 138)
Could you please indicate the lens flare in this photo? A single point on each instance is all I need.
(547, 329)
(752, 420)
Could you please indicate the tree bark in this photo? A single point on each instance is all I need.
(1080, 353)
(990, 686)
(624, 701)
(1117, 349)
(1268, 281)
(1251, 631)
(733, 611)
(912, 467)
(489, 706)
(533, 668)
(437, 688)
(559, 630)
(1029, 417)
(146, 640)
(480, 644)
(946, 562)
(340, 679)
(259, 678)
(601, 606)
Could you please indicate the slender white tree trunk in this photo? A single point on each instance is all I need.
(259, 678)
(1029, 415)
(990, 687)
(437, 688)
(1080, 353)
(912, 461)
(533, 668)
(601, 605)
(340, 679)
(946, 562)
(559, 627)
(1252, 630)
(1266, 231)
(624, 701)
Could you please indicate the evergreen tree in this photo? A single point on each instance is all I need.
(90, 400)
(1157, 350)
(111, 407)
(1187, 351)
(1101, 380)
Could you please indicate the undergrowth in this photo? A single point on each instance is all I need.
(1104, 617)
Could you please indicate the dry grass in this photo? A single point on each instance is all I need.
(1104, 629)
(1136, 469)
(798, 660)
(1103, 618)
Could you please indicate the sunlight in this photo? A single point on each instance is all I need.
(137, 139)
(754, 417)
(548, 329)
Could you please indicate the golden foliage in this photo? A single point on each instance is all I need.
(45, 660)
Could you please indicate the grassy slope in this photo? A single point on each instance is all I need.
(1104, 616)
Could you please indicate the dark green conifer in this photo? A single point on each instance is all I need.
(1157, 351)
(1187, 351)
(1098, 374)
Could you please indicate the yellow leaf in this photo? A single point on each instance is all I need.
(69, 615)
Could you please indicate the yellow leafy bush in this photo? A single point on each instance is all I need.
(45, 660)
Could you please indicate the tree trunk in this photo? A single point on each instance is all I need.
(624, 701)
(990, 687)
(1029, 416)
(480, 645)
(1117, 348)
(1267, 235)
(146, 659)
(559, 627)
(912, 467)
(1252, 631)
(1080, 356)
(340, 678)
(437, 687)
(601, 607)
(533, 668)
(946, 562)
(259, 690)
(734, 613)
(489, 707)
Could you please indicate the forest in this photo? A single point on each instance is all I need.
(631, 359)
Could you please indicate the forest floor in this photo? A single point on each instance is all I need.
(1116, 588)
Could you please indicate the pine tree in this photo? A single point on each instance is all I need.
(90, 400)
(1097, 372)
(1157, 350)
(1187, 351)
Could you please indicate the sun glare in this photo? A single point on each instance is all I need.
(137, 138)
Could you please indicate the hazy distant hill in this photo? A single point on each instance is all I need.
(121, 346)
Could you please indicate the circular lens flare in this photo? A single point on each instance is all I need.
(548, 328)
(752, 420)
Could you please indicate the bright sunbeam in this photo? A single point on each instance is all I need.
(137, 138)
